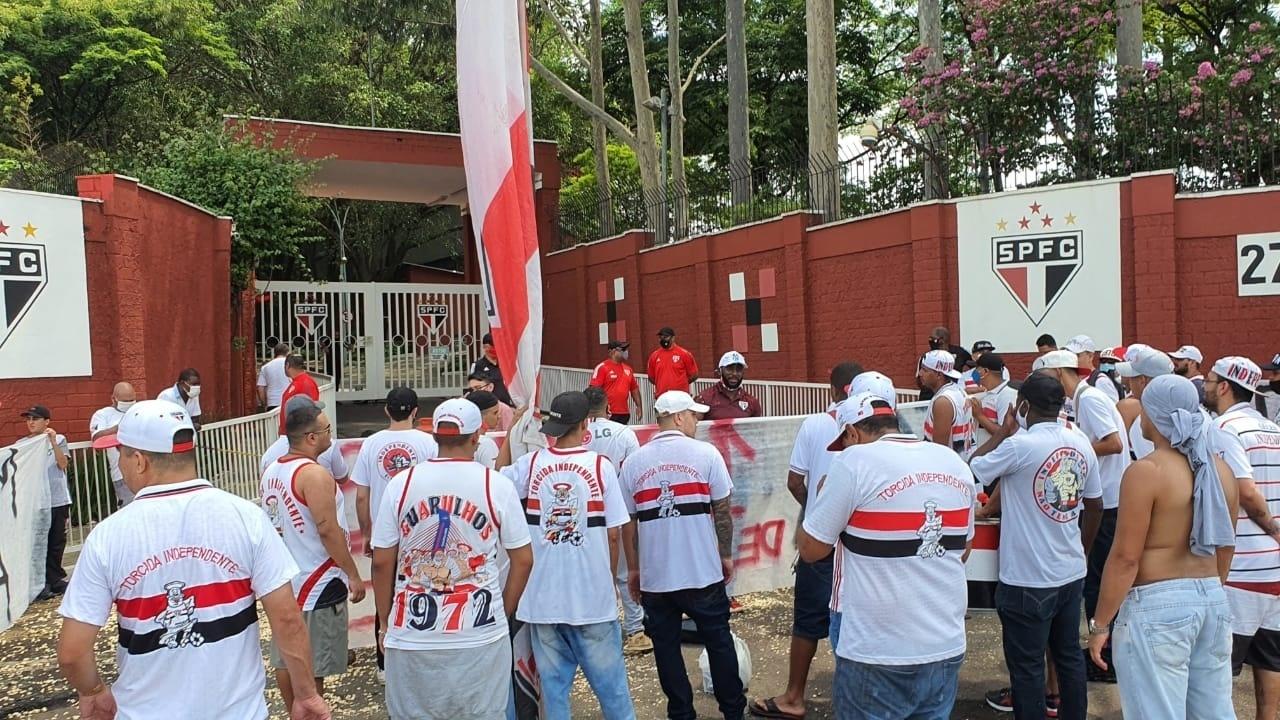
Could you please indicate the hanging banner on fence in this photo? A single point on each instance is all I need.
(24, 517)
(1042, 261)
(44, 298)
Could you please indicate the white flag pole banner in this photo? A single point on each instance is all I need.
(24, 526)
(44, 298)
(1040, 261)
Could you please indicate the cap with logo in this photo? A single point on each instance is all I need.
(1081, 343)
(1038, 363)
(151, 426)
(1274, 365)
(666, 331)
(983, 346)
(854, 410)
(1113, 354)
(941, 361)
(877, 384)
(402, 399)
(1062, 359)
(1239, 370)
(1188, 352)
(733, 357)
(1144, 360)
(568, 410)
(455, 416)
(677, 401)
(39, 412)
(619, 344)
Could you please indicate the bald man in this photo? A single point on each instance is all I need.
(104, 422)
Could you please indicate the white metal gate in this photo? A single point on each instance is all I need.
(371, 337)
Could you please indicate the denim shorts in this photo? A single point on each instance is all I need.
(812, 617)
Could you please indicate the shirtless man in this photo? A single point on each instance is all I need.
(1174, 540)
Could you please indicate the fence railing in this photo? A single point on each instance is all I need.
(227, 455)
(777, 397)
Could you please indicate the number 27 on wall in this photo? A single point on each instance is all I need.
(1258, 264)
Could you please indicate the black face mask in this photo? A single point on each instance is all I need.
(665, 342)
(1275, 385)
(936, 344)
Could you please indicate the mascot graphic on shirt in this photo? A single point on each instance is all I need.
(560, 521)
(449, 566)
(1058, 484)
(1062, 486)
(931, 532)
(178, 618)
(667, 502)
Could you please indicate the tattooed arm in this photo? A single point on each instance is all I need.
(724, 534)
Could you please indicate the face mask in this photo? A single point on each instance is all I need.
(1021, 417)
(626, 354)
(665, 342)
(1107, 367)
(194, 391)
(123, 406)
(935, 343)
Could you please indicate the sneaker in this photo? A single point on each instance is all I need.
(382, 676)
(45, 594)
(637, 643)
(1001, 700)
(735, 607)
(1051, 706)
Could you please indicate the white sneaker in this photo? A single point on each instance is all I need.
(382, 676)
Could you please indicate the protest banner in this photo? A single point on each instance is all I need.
(24, 525)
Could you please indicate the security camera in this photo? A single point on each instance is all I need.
(869, 134)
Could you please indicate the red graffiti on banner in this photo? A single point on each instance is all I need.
(761, 544)
(725, 437)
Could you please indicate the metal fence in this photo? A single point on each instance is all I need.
(778, 398)
(227, 455)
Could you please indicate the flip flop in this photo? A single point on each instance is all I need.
(770, 710)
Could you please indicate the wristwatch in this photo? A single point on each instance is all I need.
(1095, 629)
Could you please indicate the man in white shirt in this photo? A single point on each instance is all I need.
(1048, 474)
(272, 379)
(617, 442)
(184, 567)
(949, 420)
(104, 422)
(1267, 401)
(1086, 352)
(574, 506)
(901, 510)
(438, 541)
(56, 460)
(1186, 362)
(305, 506)
(185, 394)
(1098, 418)
(490, 419)
(1141, 365)
(383, 455)
(680, 552)
(991, 411)
(811, 606)
(331, 459)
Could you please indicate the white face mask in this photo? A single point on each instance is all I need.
(123, 406)
(1021, 417)
(194, 391)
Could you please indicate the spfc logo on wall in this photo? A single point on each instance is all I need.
(433, 316)
(22, 277)
(310, 315)
(1036, 269)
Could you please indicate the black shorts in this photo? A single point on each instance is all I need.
(1260, 651)
(812, 620)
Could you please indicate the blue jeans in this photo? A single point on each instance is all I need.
(708, 607)
(896, 692)
(559, 650)
(1038, 619)
(1172, 649)
(632, 613)
(834, 635)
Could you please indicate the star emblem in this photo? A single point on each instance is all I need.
(1071, 219)
(1046, 221)
(29, 229)
(4, 229)
(1002, 225)
(1024, 223)
(1035, 208)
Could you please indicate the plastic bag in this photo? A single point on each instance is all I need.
(744, 665)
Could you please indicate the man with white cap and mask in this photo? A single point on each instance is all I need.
(1141, 365)
(949, 420)
(1086, 352)
(728, 399)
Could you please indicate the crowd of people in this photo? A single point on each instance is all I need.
(1132, 493)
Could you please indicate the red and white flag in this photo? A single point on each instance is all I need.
(493, 107)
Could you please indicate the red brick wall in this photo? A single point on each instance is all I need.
(159, 301)
(872, 289)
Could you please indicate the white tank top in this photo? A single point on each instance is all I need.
(292, 519)
(962, 418)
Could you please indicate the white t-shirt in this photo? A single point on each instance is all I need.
(449, 520)
(525, 436)
(272, 377)
(612, 440)
(670, 483)
(1097, 417)
(1139, 445)
(330, 459)
(572, 498)
(997, 402)
(1045, 472)
(59, 493)
(183, 565)
(1250, 445)
(1107, 387)
(171, 394)
(487, 452)
(809, 455)
(319, 582)
(108, 417)
(901, 510)
(386, 453)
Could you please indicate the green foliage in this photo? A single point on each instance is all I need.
(259, 187)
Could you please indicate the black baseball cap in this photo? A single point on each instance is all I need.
(990, 361)
(983, 346)
(619, 344)
(483, 399)
(667, 331)
(37, 411)
(1043, 392)
(568, 410)
(402, 399)
(1274, 364)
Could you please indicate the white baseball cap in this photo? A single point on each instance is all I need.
(877, 384)
(1038, 363)
(1188, 352)
(460, 416)
(941, 361)
(733, 357)
(677, 401)
(1144, 360)
(854, 410)
(1239, 370)
(1062, 359)
(150, 426)
(1081, 343)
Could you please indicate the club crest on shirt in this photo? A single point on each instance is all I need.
(178, 618)
(743, 404)
(395, 457)
(560, 521)
(1058, 483)
(667, 502)
(931, 532)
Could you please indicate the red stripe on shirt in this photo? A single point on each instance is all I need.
(311, 581)
(206, 596)
(592, 505)
(689, 488)
(906, 520)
